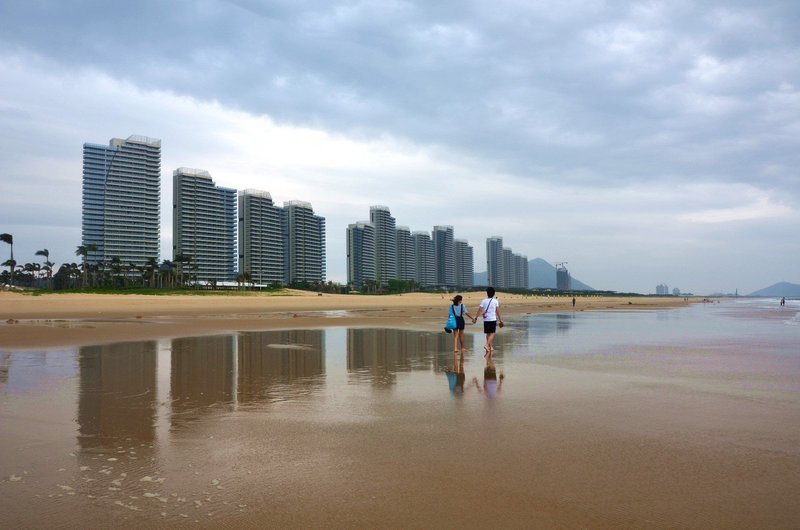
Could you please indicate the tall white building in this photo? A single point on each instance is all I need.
(360, 254)
(406, 255)
(122, 200)
(262, 252)
(444, 256)
(426, 265)
(305, 240)
(385, 243)
(494, 262)
(204, 225)
(464, 262)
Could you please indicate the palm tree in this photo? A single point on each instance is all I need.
(8, 238)
(47, 267)
(152, 267)
(83, 252)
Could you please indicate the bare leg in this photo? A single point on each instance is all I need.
(490, 341)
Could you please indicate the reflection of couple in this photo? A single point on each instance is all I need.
(491, 383)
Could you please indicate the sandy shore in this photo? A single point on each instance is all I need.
(52, 320)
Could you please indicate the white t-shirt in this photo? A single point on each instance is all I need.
(489, 306)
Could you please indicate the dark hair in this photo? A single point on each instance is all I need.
(457, 299)
(490, 292)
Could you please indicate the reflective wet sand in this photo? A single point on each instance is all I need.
(685, 418)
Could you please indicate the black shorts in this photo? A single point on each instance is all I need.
(460, 324)
(490, 326)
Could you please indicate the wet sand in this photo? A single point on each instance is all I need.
(356, 427)
(53, 320)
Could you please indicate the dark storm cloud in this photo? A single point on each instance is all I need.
(588, 91)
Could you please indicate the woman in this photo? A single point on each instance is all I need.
(459, 310)
(490, 311)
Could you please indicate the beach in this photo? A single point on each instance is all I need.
(623, 416)
(28, 321)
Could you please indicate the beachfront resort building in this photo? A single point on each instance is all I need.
(505, 269)
(406, 256)
(385, 243)
(563, 279)
(121, 209)
(261, 238)
(464, 263)
(444, 256)
(203, 226)
(360, 254)
(425, 259)
(305, 243)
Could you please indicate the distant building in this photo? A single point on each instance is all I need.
(305, 240)
(676, 292)
(360, 254)
(385, 243)
(426, 267)
(495, 265)
(563, 278)
(444, 256)
(465, 263)
(406, 255)
(662, 289)
(262, 252)
(204, 225)
(122, 200)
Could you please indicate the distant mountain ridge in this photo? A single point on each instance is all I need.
(541, 275)
(779, 289)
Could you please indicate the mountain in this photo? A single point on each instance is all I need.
(541, 275)
(791, 290)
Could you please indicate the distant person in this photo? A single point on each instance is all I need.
(490, 311)
(783, 301)
(459, 310)
(573, 302)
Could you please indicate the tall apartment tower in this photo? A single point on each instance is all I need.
(509, 264)
(261, 238)
(305, 238)
(360, 253)
(564, 280)
(406, 255)
(204, 224)
(494, 262)
(444, 255)
(521, 272)
(465, 265)
(385, 243)
(122, 200)
(426, 267)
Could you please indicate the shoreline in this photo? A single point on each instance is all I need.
(78, 319)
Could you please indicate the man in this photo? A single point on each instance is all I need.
(490, 311)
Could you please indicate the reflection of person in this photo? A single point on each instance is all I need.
(459, 310)
(490, 311)
(456, 377)
(491, 386)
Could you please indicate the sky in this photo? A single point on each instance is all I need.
(641, 143)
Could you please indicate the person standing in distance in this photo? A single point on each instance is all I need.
(490, 311)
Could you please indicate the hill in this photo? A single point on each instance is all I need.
(541, 275)
(779, 289)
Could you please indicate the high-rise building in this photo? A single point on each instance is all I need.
(360, 253)
(563, 279)
(305, 239)
(385, 243)
(406, 255)
(521, 272)
(494, 262)
(122, 200)
(204, 225)
(465, 265)
(444, 256)
(508, 268)
(261, 238)
(426, 267)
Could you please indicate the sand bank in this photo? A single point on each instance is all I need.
(52, 320)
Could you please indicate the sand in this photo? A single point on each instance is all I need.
(61, 320)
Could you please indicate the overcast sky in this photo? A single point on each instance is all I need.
(641, 143)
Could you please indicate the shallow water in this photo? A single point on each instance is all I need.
(685, 417)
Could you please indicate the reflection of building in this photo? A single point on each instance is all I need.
(204, 224)
(202, 372)
(122, 200)
(117, 394)
(269, 357)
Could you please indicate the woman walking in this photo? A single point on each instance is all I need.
(459, 310)
(490, 311)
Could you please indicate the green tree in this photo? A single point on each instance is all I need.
(83, 252)
(8, 238)
(47, 267)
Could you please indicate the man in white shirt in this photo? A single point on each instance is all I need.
(490, 311)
